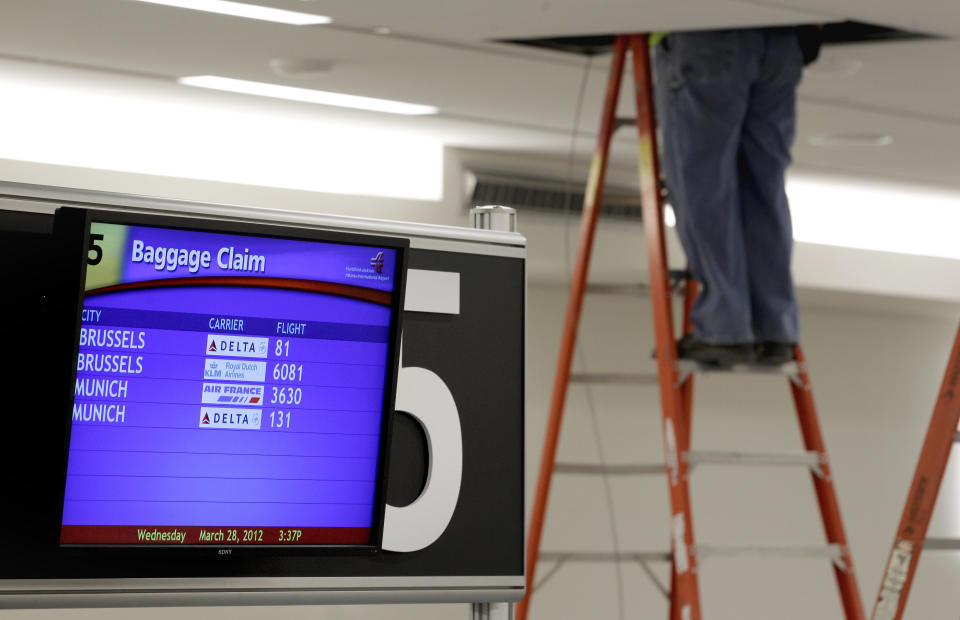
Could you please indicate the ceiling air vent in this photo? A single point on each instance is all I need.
(548, 194)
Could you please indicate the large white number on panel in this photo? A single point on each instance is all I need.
(424, 395)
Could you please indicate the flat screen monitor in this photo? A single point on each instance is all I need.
(233, 385)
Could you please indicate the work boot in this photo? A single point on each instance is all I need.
(774, 353)
(720, 355)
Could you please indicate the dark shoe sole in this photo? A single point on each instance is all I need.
(720, 355)
(774, 353)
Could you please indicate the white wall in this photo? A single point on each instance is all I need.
(876, 364)
(875, 376)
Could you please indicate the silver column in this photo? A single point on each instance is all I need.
(494, 217)
(503, 219)
(491, 611)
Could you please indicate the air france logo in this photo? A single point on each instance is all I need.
(377, 262)
(232, 394)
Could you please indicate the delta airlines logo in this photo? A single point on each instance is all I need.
(240, 346)
(232, 418)
(377, 262)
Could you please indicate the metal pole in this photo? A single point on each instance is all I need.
(494, 217)
(503, 219)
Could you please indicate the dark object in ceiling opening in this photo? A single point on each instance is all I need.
(840, 33)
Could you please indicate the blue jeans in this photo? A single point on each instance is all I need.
(726, 103)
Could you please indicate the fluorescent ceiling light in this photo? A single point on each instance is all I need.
(87, 120)
(887, 217)
(277, 91)
(252, 11)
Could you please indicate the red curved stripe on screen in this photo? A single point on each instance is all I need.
(383, 298)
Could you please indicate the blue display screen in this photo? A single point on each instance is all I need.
(230, 390)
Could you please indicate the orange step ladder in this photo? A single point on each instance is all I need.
(675, 380)
(911, 534)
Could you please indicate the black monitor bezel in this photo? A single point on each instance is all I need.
(72, 229)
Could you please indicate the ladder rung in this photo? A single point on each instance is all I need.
(609, 470)
(619, 289)
(588, 556)
(790, 369)
(942, 544)
(715, 457)
(623, 121)
(832, 552)
(615, 378)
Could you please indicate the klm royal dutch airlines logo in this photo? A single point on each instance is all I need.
(377, 262)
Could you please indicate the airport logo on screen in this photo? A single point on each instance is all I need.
(377, 262)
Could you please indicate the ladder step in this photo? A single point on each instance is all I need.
(677, 278)
(686, 367)
(715, 457)
(588, 556)
(615, 378)
(619, 289)
(942, 544)
(833, 552)
(609, 470)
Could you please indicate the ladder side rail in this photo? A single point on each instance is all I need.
(593, 198)
(685, 601)
(912, 531)
(686, 388)
(686, 410)
(825, 492)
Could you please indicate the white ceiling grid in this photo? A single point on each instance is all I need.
(500, 96)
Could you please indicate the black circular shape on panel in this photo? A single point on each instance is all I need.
(407, 475)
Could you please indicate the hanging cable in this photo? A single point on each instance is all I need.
(568, 197)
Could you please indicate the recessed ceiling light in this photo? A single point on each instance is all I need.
(252, 11)
(301, 68)
(277, 91)
(384, 30)
(851, 139)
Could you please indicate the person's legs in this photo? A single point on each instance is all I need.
(703, 84)
(768, 132)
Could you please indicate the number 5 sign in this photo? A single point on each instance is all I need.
(424, 395)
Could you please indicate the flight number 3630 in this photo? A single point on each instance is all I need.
(286, 395)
